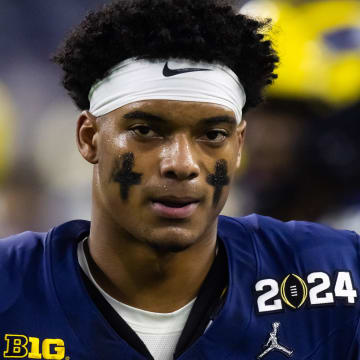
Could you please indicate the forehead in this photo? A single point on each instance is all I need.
(173, 111)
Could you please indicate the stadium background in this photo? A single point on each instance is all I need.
(302, 154)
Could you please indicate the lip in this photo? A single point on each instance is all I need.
(170, 212)
(175, 199)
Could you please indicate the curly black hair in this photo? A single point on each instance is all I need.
(198, 30)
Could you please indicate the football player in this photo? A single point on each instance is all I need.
(158, 274)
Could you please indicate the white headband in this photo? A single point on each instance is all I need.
(135, 80)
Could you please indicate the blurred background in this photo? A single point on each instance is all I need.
(301, 159)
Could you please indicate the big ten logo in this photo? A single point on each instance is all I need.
(21, 346)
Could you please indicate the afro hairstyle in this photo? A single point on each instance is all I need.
(201, 30)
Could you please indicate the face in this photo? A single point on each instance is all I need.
(162, 168)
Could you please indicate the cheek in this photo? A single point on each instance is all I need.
(111, 149)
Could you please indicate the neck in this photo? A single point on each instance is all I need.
(138, 275)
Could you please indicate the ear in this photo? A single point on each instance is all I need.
(240, 131)
(87, 137)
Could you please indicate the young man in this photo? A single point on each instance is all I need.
(162, 85)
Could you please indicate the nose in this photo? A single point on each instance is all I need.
(179, 160)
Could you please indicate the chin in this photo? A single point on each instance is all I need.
(172, 240)
(168, 246)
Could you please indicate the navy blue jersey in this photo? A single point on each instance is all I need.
(292, 292)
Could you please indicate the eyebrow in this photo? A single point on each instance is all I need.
(219, 119)
(153, 118)
(143, 115)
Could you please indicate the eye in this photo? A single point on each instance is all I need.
(215, 136)
(144, 131)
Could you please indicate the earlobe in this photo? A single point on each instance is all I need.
(86, 137)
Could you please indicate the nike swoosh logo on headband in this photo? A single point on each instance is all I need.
(172, 72)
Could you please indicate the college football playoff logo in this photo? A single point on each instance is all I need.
(293, 291)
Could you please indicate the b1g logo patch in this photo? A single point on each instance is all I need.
(317, 289)
(21, 346)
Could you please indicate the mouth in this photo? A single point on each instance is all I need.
(174, 208)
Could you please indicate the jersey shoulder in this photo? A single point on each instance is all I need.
(21, 263)
(292, 242)
(293, 234)
(29, 251)
(16, 250)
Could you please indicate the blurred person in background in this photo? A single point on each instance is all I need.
(313, 105)
(277, 178)
(15, 181)
(157, 273)
(22, 199)
(31, 31)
